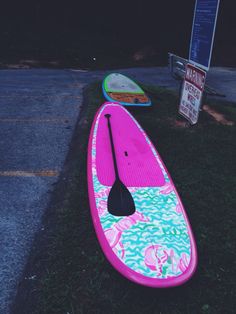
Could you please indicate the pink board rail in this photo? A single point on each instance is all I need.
(155, 246)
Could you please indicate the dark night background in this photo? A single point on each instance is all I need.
(116, 33)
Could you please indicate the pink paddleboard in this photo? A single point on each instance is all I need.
(155, 245)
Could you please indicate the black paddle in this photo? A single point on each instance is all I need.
(120, 201)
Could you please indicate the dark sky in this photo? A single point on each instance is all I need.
(123, 17)
(27, 26)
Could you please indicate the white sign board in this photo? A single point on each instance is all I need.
(193, 87)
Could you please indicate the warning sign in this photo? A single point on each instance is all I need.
(193, 87)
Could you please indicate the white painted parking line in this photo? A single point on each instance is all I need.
(58, 120)
(20, 173)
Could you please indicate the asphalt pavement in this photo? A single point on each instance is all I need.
(39, 109)
(38, 112)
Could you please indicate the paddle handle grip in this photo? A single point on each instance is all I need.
(112, 145)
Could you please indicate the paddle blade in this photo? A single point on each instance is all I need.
(120, 201)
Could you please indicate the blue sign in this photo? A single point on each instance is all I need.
(203, 30)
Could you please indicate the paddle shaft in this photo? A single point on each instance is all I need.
(120, 201)
(112, 146)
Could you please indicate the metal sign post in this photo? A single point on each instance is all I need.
(203, 31)
(202, 38)
(193, 87)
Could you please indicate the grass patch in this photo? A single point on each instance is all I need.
(72, 274)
